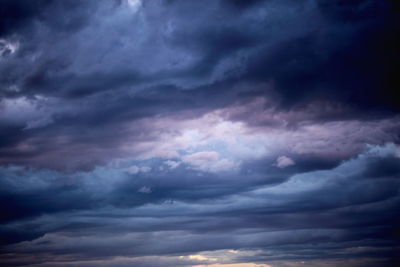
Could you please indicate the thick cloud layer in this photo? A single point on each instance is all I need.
(193, 133)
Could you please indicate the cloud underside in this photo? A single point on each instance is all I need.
(345, 212)
(199, 133)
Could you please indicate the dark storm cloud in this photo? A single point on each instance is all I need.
(17, 16)
(159, 129)
(317, 46)
(349, 54)
(343, 204)
(190, 54)
(14, 14)
(31, 193)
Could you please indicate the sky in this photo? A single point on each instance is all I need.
(220, 133)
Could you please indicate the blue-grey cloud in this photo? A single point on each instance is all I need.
(336, 210)
(172, 133)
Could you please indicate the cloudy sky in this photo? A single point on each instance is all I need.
(221, 133)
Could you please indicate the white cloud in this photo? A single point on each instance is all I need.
(208, 161)
(136, 169)
(135, 5)
(172, 164)
(217, 134)
(201, 158)
(223, 165)
(283, 162)
(7, 47)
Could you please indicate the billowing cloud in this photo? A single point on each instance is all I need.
(157, 212)
(283, 162)
(199, 133)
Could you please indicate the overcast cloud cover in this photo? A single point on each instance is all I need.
(236, 133)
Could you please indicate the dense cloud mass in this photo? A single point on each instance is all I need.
(236, 133)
